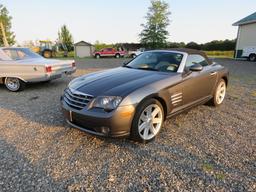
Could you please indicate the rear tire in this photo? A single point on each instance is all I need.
(252, 57)
(219, 93)
(117, 56)
(47, 54)
(148, 121)
(97, 56)
(14, 84)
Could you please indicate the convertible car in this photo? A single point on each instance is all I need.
(19, 66)
(135, 99)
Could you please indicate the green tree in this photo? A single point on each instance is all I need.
(65, 37)
(155, 34)
(6, 20)
(193, 45)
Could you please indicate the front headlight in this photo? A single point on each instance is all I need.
(106, 102)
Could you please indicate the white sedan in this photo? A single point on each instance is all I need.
(19, 66)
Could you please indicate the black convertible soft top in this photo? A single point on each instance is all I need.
(192, 52)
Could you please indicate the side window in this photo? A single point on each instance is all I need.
(196, 59)
(12, 53)
(21, 54)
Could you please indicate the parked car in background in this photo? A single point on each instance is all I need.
(134, 54)
(250, 53)
(134, 100)
(19, 66)
(109, 52)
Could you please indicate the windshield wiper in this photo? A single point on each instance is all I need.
(148, 69)
(127, 66)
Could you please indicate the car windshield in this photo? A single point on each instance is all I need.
(20, 53)
(157, 61)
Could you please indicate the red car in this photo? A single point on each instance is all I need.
(109, 52)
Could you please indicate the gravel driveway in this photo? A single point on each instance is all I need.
(210, 149)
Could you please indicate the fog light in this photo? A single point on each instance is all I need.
(105, 130)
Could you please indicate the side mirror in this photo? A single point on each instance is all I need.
(196, 67)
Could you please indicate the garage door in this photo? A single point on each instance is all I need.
(83, 51)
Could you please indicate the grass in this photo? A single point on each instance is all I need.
(220, 54)
(207, 167)
(220, 176)
(60, 54)
(253, 93)
(216, 54)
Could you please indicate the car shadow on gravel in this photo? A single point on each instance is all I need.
(17, 173)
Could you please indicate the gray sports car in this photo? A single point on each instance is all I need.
(135, 99)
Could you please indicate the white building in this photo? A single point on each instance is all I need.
(246, 34)
(83, 49)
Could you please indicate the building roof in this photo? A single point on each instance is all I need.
(83, 43)
(247, 20)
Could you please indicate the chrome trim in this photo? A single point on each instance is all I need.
(177, 98)
(73, 91)
(178, 101)
(177, 94)
(76, 99)
(69, 98)
(183, 63)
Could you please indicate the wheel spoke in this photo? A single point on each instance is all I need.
(143, 117)
(142, 127)
(153, 130)
(155, 112)
(146, 132)
(149, 111)
(157, 120)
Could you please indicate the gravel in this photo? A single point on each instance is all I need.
(204, 149)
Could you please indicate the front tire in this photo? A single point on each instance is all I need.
(252, 57)
(14, 84)
(97, 56)
(219, 93)
(147, 121)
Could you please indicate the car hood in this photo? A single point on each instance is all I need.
(116, 82)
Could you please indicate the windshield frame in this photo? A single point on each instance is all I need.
(181, 65)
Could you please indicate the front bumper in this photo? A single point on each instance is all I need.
(97, 122)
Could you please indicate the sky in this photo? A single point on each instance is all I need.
(112, 21)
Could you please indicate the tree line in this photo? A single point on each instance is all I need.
(216, 45)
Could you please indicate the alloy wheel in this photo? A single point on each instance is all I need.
(221, 92)
(150, 122)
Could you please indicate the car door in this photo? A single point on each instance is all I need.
(198, 85)
(103, 52)
(111, 52)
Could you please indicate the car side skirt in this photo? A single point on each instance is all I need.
(189, 106)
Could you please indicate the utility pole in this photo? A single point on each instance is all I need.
(6, 44)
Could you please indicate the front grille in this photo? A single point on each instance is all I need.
(76, 100)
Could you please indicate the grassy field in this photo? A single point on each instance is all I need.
(220, 54)
(61, 54)
(216, 54)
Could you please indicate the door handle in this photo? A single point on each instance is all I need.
(213, 73)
